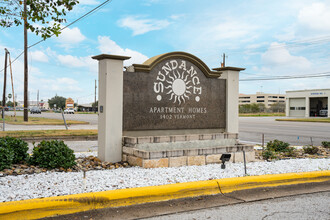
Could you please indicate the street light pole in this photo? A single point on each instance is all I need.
(95, 107)
(25, 65)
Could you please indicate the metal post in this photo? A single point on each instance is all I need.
(26, 105)
(66, 126)
(95, 98)
(263, 141)
(244, 162)
(312, 141)
(3, 118)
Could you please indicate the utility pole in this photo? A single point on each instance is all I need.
(26, 105)
(38, 99)
(95, 98)
(4, 81)
(224, 60)
(4, 85)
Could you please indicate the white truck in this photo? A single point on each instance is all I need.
(69, 111)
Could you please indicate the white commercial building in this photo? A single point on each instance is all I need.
(308, 103)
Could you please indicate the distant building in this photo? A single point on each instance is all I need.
(69, 103)
(40, 104)
(86, 107)
(264, 98)
(308, 103)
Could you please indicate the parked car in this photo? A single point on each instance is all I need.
(324, 113)
(69, 111)
(35, 110)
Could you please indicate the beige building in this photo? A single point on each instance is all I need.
(264, 98)
(308, 103)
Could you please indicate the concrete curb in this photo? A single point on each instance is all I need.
(61, 205)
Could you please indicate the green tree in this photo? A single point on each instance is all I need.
(252, 108)
(11, 104)
(278, 107)
(95, 104)
(43, 17)
(59, 101)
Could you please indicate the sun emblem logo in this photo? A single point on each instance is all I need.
(178, 87)
(177, 82)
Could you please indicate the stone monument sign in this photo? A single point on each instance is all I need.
(174, 92)
(172, 110)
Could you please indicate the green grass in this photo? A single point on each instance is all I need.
(324, 120)
(48, 133)
(40, 121)
(261, 114)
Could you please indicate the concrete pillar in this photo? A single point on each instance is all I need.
(110, 110)
(231, 74)
(307, 107)
(287, 107)
(328, 106)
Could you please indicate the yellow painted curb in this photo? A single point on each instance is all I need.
(39, 208)
(61, 205)
(229, 185)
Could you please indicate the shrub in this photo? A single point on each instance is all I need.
(18, 146)
(6, 157)
(310, 149)
(290, 152)
(267, 155)
(52, 154)
(278, 146)
(326, 144)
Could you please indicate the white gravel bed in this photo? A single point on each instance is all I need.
(13, 188)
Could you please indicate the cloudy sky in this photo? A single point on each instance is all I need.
(268, 38)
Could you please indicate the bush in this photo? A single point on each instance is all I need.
(267, 155)
(326, 144)
(290, 152)
(278, 146)
(18, 146)
(310, 150)
(6, 157)
(52, 154)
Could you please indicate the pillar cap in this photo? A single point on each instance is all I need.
(110, 57)
(229, 68)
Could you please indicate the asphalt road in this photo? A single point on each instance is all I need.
(309, 206)
(296, 133)
(250, 128)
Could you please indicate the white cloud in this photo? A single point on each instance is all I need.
(88, 2)
(177, 16)
(109, 46)
(315, 16)
(277, 55)
(59, 85)
(39, 56)
(142, 26)
(71, 36)
(70, 61)
(78, 62)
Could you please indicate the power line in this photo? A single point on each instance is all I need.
(289, 44)
(315, 75)
(80, 18)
